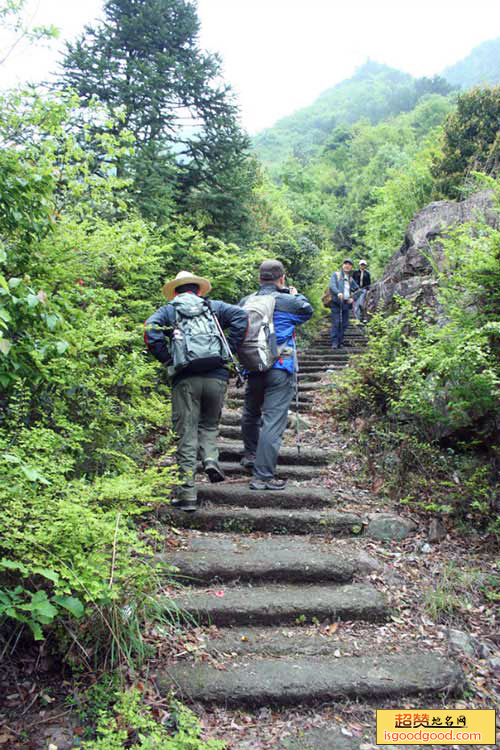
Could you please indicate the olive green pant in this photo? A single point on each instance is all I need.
(196, 409)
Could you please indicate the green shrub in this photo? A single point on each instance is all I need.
(131, 725)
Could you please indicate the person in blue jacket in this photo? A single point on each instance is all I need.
(268, 394)
(342, 288)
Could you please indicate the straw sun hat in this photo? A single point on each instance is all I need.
(184, 277)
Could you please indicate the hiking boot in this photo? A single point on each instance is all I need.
(248, 462)
(188, 504)
(267, 484)
(213, 471)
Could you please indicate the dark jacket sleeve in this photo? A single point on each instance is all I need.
(302, 308)
(157, 331)
(233, 318)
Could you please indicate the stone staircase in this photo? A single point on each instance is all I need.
(263, 566)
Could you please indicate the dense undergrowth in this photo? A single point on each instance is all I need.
(426, 393)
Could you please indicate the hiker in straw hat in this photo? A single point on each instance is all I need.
(187, 336)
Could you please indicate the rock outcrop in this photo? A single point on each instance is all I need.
(410, 273)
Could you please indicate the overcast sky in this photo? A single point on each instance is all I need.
(279, 55)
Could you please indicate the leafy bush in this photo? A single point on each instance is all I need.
(131, 725)
(471, 140)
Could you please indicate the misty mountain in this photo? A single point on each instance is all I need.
(375, 92)
(481, 66)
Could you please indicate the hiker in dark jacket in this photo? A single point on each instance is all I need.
(268, 394)
(363, 280)
(342, 287)
(197, 397)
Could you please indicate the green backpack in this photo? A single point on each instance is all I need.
(196, 341)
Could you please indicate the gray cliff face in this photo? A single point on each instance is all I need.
(409, 273)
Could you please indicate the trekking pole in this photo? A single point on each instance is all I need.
(239, 376)
(297, 426)
(341, 323)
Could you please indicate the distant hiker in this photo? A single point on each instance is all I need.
(363, 280)
(270, 385)
(342, 288)
(184, 335)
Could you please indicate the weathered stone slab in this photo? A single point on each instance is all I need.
(311, 357)
(235, 395)
(278, 558)
(270, 681)
(239, 494)
(318, 367)
(314, 386)
(320, 739)
(231, 417)
(271, 519)
(231, 432)
(275, 604)
(234, 469)
(235, 403)
(229, 451)
(332, 364)
(284, 641)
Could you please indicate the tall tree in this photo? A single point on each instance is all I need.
(144, 64)
(471, 141)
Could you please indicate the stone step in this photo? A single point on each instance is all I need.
(352, 343)
(231, 417)
(324, 738)
(318, 369)
(239, 494)
(327, 361)
(325, 356)
(320, 350)
(286, 559)
(235, 395)
(301, 680)
(233, 451)
(276, 604)
(310, 377)
(341, 356)
(275, 520)
(229, 431)
(295, 640)
(304, 406)
(308, 387)
(234, 469)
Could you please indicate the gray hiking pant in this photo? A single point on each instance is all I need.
(265, 415)
(196, 408)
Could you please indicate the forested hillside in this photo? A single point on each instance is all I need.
(479, 68)
(106, 191)
(374, 93)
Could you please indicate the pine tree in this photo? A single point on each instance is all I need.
(144, 65)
